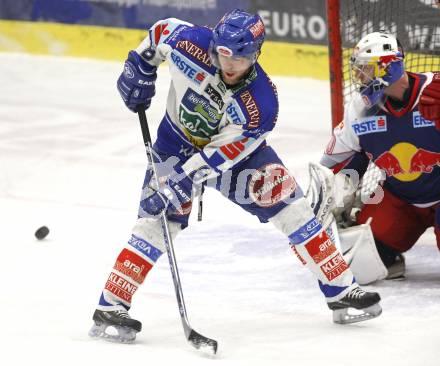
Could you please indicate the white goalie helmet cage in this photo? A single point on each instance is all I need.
(371, 56)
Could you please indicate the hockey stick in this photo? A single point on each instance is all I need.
(196, 339)
(200, 213)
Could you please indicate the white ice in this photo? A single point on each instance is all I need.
(72, 158)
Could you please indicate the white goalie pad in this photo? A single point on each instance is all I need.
(320, 193)
(329, 193)
(355, 242)
(359, 250)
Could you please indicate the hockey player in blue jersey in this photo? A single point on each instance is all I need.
(394, 122)
(221, 107)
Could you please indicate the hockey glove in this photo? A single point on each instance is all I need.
(373, 93)
(136, 83)
(429, 103)
(175, 193)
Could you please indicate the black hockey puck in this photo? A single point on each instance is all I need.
(42, 232)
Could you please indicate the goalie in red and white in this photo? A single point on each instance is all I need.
(394, 122)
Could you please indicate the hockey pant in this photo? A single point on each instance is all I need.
(260, 185)
(398, 224)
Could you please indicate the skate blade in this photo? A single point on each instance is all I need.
(350, 315)
(396, 278)
(112, 333)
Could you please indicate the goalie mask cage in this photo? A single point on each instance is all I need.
(416, 23)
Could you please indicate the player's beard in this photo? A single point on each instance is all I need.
(233, 78)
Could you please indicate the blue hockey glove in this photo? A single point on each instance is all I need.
(175, 193)
(136, 82)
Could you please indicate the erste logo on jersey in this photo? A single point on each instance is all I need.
(235, 114)
(188, 68)
(419, 121)
(368, 125)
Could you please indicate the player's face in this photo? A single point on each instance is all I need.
(233, 68)
(363, 74)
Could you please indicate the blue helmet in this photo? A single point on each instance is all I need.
(238, 34)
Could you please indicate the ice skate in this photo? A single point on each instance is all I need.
(358, 305)
(115, 326)
(396, 270)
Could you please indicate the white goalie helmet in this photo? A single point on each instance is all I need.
(371, 57)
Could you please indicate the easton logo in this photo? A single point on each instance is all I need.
(251, 108)
(195, 51)
(128, 71)
(215, 96)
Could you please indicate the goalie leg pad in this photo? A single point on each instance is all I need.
(360, 252)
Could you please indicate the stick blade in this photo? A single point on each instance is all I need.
(201, 342)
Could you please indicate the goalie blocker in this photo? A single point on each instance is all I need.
(355, 242)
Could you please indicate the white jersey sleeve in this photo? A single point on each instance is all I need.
(344, 142)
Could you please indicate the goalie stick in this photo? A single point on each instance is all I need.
(193, 337)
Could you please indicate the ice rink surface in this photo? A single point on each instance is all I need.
(72, 158)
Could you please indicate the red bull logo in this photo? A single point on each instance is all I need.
(406, 162)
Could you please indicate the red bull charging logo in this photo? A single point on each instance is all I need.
(406, 162)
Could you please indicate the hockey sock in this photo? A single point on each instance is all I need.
(131, 267)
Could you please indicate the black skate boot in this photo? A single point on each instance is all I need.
(396, 270)
(366, 305)
(115, 326)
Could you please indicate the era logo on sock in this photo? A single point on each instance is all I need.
(334, 267)
(132, 265)
(320, 247)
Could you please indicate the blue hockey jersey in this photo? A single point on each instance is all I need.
(208, 123)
